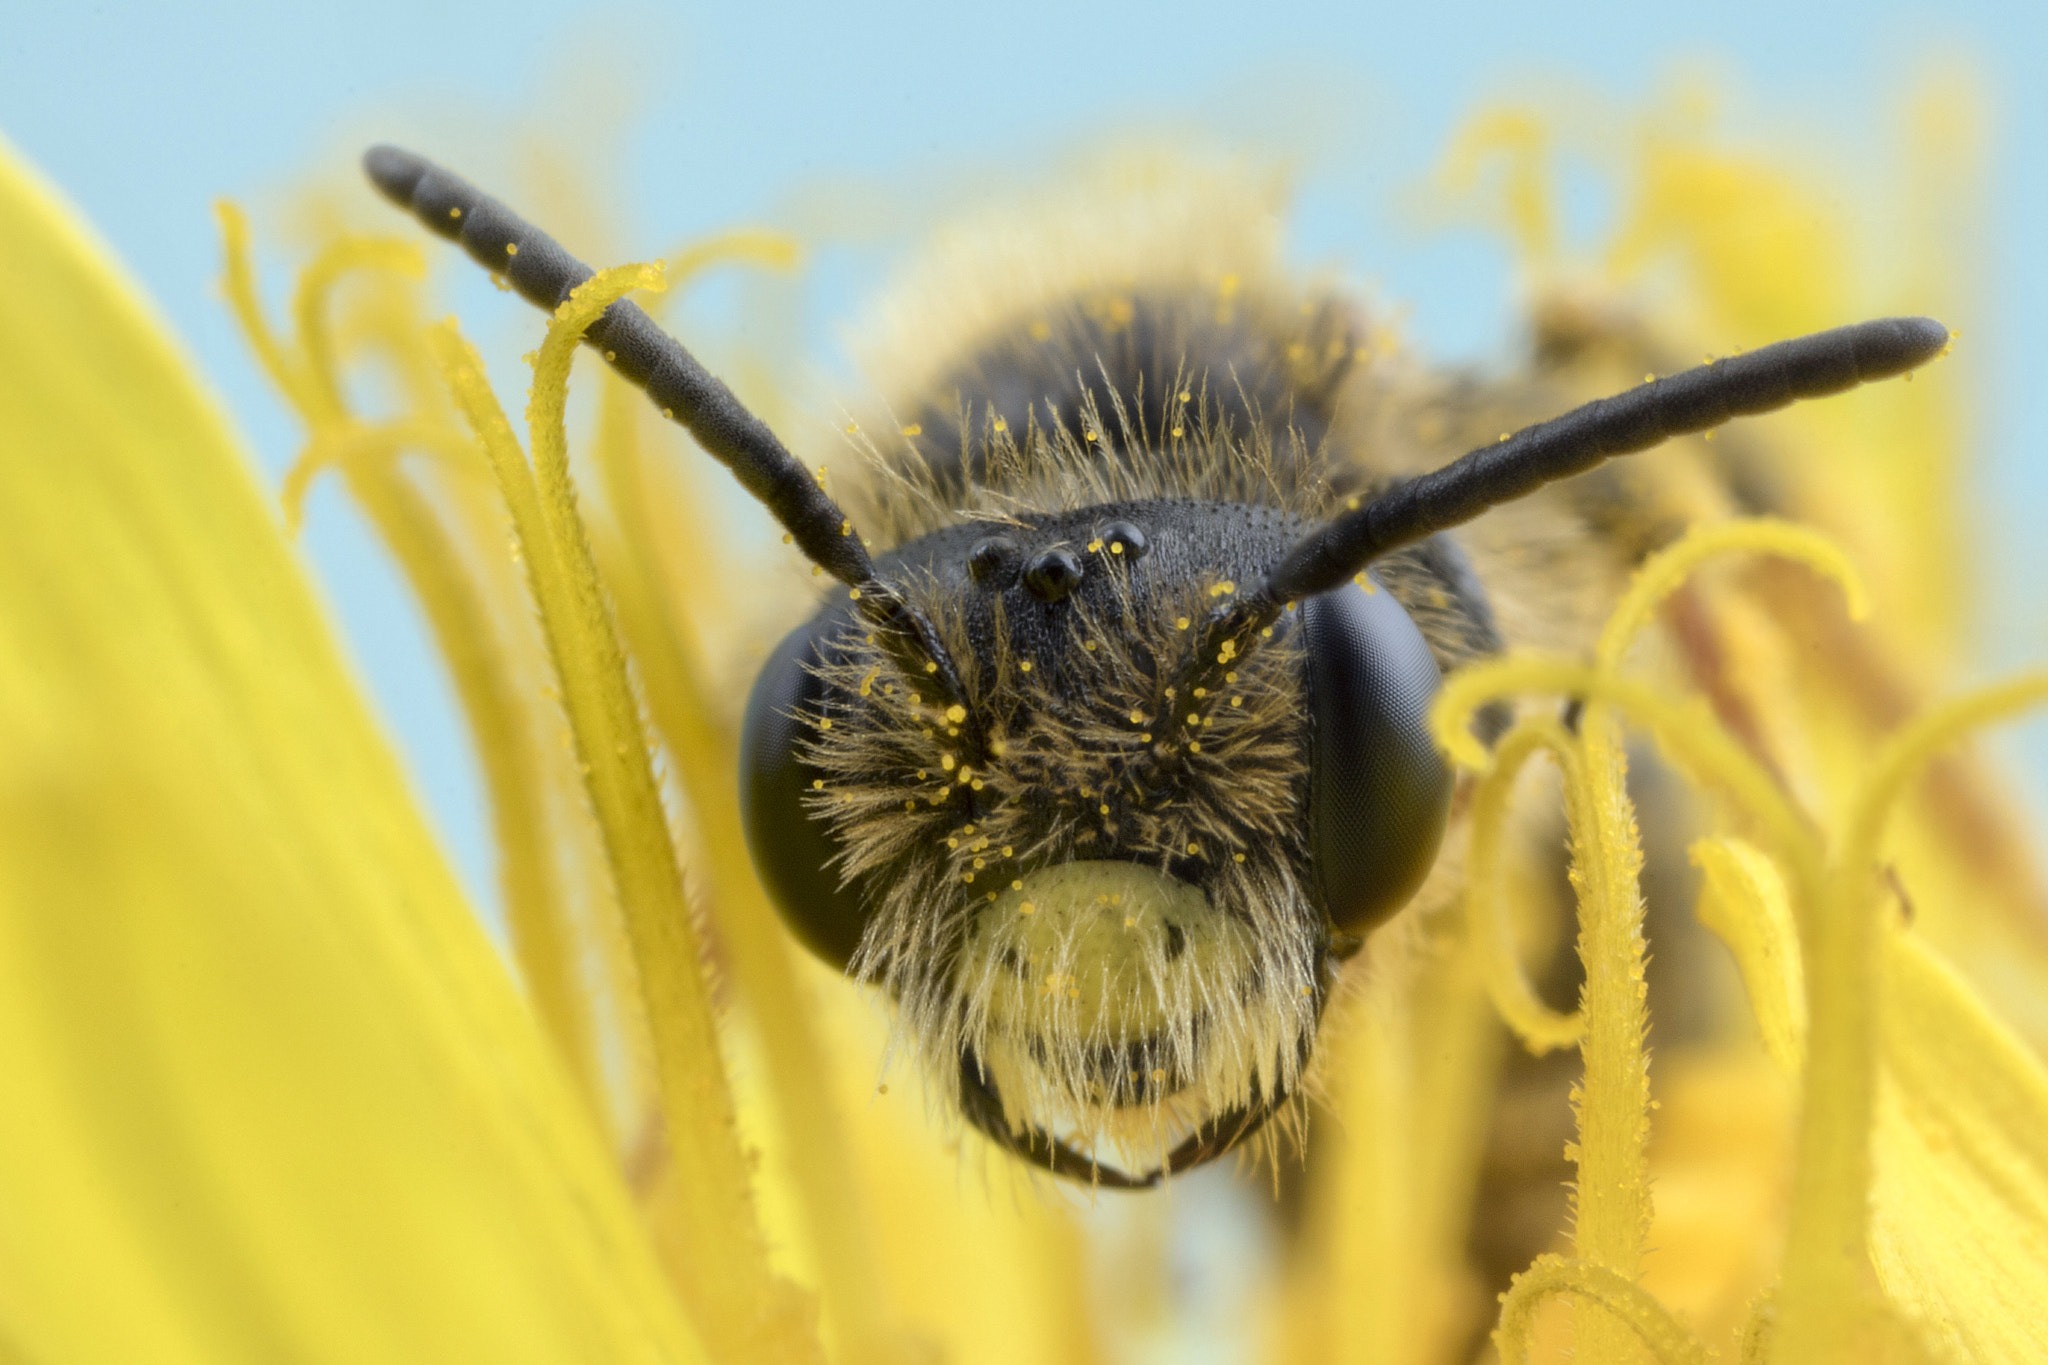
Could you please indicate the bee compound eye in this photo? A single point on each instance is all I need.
(793, 848)
(1124, 541)
(991, 560)
(1052, 575)
(1379, 794)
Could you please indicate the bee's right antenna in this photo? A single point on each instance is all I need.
(545, 274)
(1517, 465)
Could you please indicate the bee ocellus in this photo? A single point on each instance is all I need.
(1107, 751)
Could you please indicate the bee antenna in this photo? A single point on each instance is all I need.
(1516, 466)
(641, 352)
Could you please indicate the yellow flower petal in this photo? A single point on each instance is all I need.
(1744, 901)
(1959, 1228)
(269, 1094)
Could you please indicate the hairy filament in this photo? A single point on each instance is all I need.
(723, 1258)
(542, 935)
(1669, 569)
(1540, 1027)
(1622, 1299)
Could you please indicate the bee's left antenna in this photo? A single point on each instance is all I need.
(1517, 465)
(545, 274)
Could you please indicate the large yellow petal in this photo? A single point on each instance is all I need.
(265, 1092)
(1959, 1216)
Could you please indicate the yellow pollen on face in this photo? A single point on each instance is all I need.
(455, 213)
(1027, 908)
(1239, 857)
(824, 725)
(913, 429)
(1137, 718)
(1024, 666)
(511, 248)
(817, 784)
(1001, 425)
(929, 667)
(946, 762)
(1016, 886)
(1117, 548)
(956, 713)
(1194, 746)
(853, 593)
(1237, 701)
(1182, 623)
(1102, 810)
(1006, 851)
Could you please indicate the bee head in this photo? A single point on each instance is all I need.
(1106, 893)
(1097, 794)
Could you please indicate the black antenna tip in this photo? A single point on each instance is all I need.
(1892, 346)
(395, 171)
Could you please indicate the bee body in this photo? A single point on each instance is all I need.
(1106, 759)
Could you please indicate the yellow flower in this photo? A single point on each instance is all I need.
(270, 1095)
(267, 1092)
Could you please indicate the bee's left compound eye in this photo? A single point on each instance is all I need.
(793, 851)
(1379, 796)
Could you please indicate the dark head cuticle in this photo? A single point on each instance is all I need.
(1052, 575)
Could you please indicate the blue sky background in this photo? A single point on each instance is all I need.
(727, 113)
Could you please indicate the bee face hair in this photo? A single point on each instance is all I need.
(1103, 767)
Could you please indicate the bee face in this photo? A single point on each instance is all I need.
(1101, 767)
(1103, 898)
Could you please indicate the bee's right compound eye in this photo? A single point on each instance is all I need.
(793, 849)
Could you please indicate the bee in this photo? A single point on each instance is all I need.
(1107, 752)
